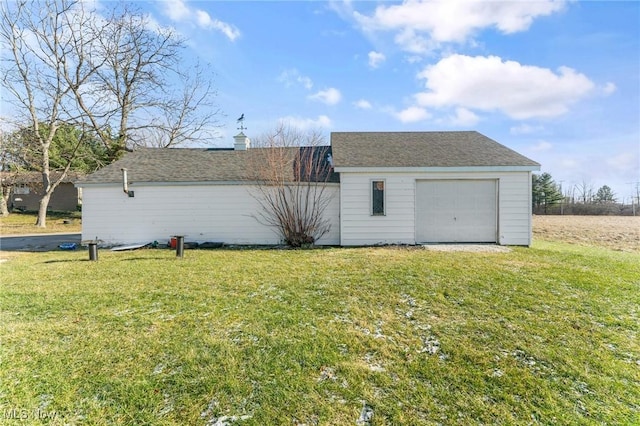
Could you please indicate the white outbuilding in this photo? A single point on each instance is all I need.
(387, 188)
(431, 187)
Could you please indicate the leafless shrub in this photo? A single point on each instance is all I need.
(291, 169)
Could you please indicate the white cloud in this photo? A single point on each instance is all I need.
(362, 104)
(569, 164)
(464, 117)
(330, 96)
(205, 21)
(322, 121)
(412, 114)
(609, 88)
(625, 164)
(292, 76)
(413, 59)
(375, 59)
(420, 24)
(541, 146)
(490, 84)
(179, 11)
(414, 43)
(203, 18)
(524, 129)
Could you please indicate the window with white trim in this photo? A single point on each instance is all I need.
(21, 189)
(377, 198)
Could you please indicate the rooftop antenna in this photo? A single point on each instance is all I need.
(241, 121)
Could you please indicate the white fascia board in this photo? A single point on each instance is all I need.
(195, 183)
(437, 169)
(142, 183)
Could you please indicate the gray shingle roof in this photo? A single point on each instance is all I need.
(36, 177)
(349, 149)
(189, 165)
(174, 165)
(422, 149)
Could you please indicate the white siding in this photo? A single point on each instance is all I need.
(358, 227)
(514, 216)
(222, 213)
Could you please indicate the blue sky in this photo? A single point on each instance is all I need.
(557, 81)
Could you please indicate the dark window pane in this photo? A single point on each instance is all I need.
(377, 197)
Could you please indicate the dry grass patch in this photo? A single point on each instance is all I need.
(613, 232)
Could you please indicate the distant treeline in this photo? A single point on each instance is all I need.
(548, 197)
(568, 208)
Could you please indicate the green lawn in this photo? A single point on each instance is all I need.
(546, 335)
(25, 223)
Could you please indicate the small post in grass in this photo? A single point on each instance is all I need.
(93, 249)
(179, 245)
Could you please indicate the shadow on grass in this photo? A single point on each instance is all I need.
(66, 260)
(129, 259)
(132, 259)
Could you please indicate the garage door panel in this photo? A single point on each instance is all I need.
(456, 211)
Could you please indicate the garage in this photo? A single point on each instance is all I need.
(456, 211)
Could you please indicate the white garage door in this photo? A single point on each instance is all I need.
(456, 211)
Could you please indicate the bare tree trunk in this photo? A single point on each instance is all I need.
(4, 198)
(50, 186)
(41, 222)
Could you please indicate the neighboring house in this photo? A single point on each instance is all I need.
(393, 188)
(25, 191)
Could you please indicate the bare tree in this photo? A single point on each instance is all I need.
(585, 192)
(38, 43)
(188, 117)
(292, 169)
(140, 94)
(116, 77)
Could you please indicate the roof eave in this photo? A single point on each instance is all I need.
(448, 169)
(162, 183)
(181, 183)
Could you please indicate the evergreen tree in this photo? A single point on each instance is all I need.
(545, 192)
(605, 195)
(69, 145)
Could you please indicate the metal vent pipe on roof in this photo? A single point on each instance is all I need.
(125, 183)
